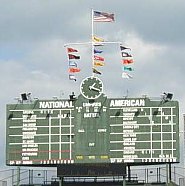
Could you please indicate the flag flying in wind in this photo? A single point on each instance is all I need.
(127, 61)
(71, 50)
(98, 58)
(71, 56)
(97, 51)
(127, 68)
(126, 75)
(97, 39)
(72, 64)
(103, 17)
(72, 77)
(124, 48)
(99, 63)
(96, 71)
(126, 54)
(74, 70)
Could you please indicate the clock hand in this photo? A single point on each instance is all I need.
(93, 84)
(93, 88)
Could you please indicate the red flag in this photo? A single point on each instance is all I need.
(73, 70)
(71, 50)
(127, 61)
(98, 58)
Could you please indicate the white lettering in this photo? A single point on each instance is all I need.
(91, 115)
(127, 103)
(55, 104)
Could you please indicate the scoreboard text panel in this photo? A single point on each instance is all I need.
(106, 130)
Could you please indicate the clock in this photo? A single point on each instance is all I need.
(91, 87)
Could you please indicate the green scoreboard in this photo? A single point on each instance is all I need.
(92, 130)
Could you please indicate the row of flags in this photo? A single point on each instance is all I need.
(127, 62)
(73, 60)
(98, 60)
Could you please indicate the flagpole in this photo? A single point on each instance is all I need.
(92, 44)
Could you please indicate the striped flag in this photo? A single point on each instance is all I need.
(103, 17)
(126, 75)
(71, 56)
(98, 58)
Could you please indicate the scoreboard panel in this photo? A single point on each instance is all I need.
(82, 131)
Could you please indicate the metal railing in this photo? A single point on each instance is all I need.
(142, 174)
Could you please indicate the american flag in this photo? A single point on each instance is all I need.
(103, 17)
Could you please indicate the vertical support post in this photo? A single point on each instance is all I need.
(174, 174)
(61, 181)
(159, 174)
(167, 173)
(124, 182)
(92, 37)
(45, 176)
(12, 176)
(18, 176)
(147, 175)
(129, 173)
(170, 172)
(30, 176)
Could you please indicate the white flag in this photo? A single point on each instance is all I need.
(72, 77)
(126, 75)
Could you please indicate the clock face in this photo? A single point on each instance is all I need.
(91, 87)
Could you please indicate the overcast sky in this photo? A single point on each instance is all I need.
(33, 58)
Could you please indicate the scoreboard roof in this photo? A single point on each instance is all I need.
(82, 131)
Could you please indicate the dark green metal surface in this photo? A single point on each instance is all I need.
(105, 130)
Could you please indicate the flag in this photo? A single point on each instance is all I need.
(128, 68)
(72, 77)
(97, 51)
(96, 71)
(71, 56)
(125, 54)
(98, 58)
(103, 17)
(71, 50)
(97, 39)
(126, 75)
(127, 61)
(99, 63)
(73, 70)
(72, 64)
(124, 48)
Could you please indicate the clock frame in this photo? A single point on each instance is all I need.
(91, 87)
